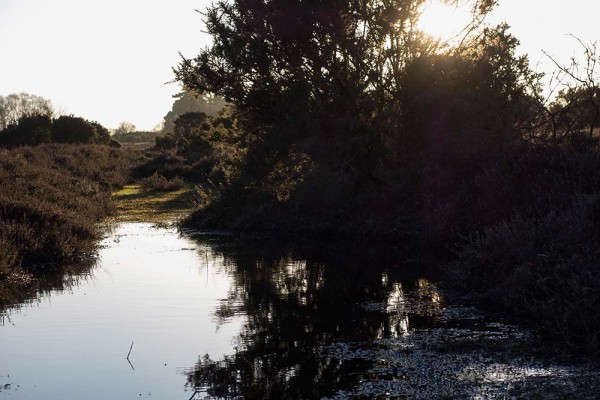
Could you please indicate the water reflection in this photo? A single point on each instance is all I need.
(297, 303)
(217, 317)
(64, 279)
(340, 323)
(152, 286)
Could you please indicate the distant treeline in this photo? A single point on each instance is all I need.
(136, 136)
(33, 130)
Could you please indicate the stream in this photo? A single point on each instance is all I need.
(165, 314)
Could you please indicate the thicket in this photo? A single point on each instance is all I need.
(350, 122)
(35, 129)
(51, 198)
(201, 150)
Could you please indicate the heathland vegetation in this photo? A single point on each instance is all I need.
(51, 198)
(342, 120)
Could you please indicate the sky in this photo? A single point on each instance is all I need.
(110, 60)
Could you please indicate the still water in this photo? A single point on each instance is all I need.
(217, 318)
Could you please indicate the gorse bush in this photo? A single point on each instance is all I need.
(32, 130)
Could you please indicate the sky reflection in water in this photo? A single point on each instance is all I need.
(223, 318)
(153, 287)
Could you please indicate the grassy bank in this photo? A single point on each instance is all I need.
(51, 198)
(137, 203)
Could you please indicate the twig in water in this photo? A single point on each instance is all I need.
(129, 351)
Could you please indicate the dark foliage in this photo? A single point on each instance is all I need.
(69, 129)
(350, 123)
(28, 131)
(188, 102)
(31, 130)
(340, 136)
(545, 270)
(202, 150)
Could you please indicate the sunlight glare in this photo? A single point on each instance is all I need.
(442, 21)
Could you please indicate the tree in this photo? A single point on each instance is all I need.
(297, 68)
(577, 105)
(125, 127)
(31, 130)
(190, 133)
(469, 99)
(17, 105)
(187, 102)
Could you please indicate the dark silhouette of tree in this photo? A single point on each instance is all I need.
(576, 109)
(37, 129)
(470, 99)
(340, 79)
(190, 131)
(349, 99)
(577, 105)
(187, 102)
(17, 105)
(102, 135)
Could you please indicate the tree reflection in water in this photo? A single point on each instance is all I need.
(62, 279)
(296, 304)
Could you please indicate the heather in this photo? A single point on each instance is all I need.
(51, 200)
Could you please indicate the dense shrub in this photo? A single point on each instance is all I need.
(390, 136)
(32, 130)
(28, 131)
(159, 183)
(68, 129)
(544, 269)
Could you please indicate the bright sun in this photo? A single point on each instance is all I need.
(443, 21)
